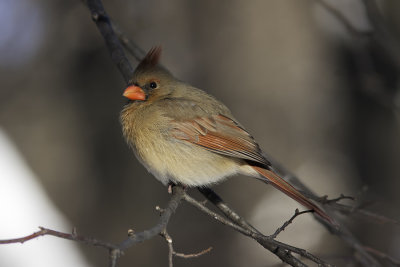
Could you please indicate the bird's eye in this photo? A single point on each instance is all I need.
(153, 85)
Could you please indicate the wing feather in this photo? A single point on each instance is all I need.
(219, 134)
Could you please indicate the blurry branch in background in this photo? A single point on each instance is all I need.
(339, 16)
(133, 49)
(382, 32)
(381, 35)
(103, 24)
(229, 217)
(383, 256)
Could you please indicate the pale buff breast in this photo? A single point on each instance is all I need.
(170, 159)
(187, 164)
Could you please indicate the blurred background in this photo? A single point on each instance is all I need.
(316, 85)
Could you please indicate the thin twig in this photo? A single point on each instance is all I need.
(325, 200)
(193, 255)
(113, 257)
(168, 238)
(172, 252)
(286, 224)
(69, 236)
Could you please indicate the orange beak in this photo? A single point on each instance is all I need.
(134, 92)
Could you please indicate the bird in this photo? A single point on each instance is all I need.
(183, 135)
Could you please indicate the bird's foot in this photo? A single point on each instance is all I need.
(170, 188)
(172, 184)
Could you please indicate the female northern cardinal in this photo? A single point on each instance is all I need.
(183, 135)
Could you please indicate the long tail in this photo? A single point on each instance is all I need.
(292, 192)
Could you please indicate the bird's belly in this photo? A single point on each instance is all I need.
(185, 163)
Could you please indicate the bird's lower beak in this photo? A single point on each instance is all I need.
(134, 92)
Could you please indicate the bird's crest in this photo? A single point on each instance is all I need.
(151, 59)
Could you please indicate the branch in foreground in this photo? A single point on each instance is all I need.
(286, 224)
(115, 250)
(282, 250)
(233, 220)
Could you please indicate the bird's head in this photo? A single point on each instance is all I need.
(150, 80)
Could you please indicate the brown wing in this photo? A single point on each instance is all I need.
(221, 135)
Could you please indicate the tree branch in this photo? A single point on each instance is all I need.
(177, 195)
(172, 252)
(132, 48)
(286, 224)
(103, 23)
(115, 251)
(69, 236)
(283, 251)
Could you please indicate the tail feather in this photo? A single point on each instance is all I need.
(292, 192)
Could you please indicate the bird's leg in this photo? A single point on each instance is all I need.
(170, 185)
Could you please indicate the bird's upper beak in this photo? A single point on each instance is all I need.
(134, 92)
